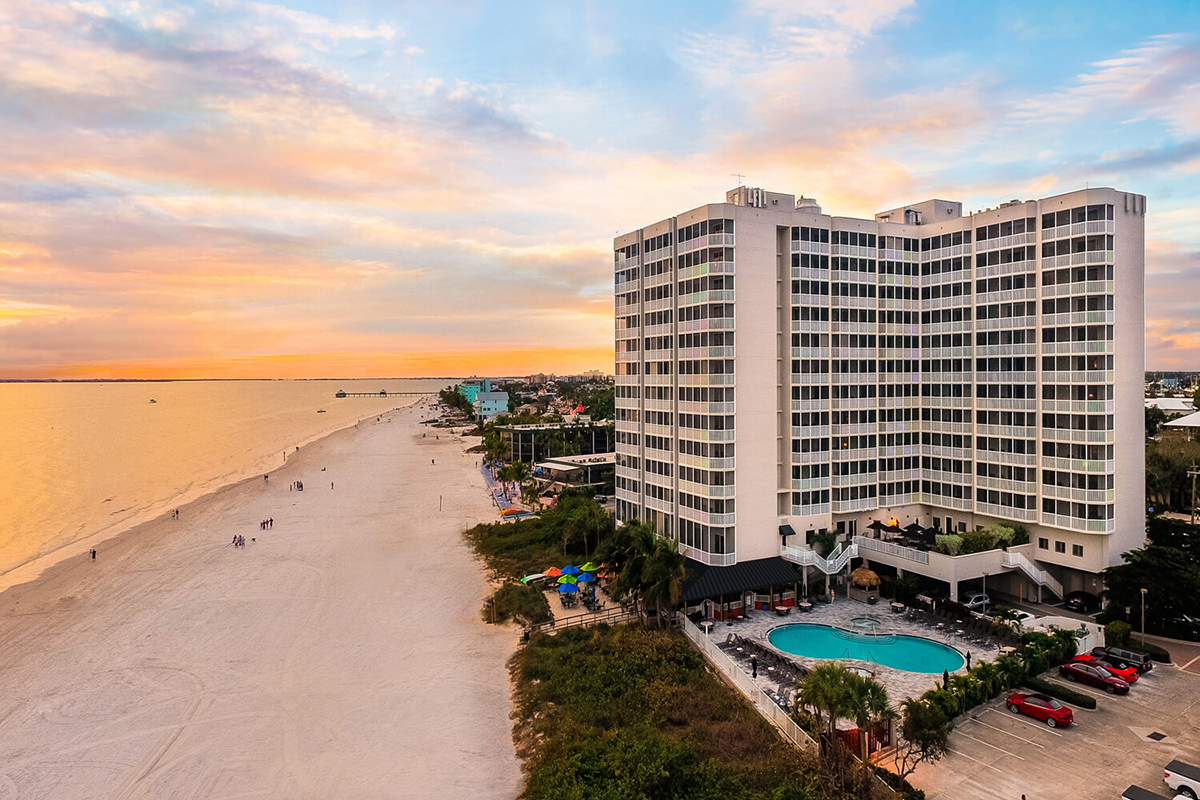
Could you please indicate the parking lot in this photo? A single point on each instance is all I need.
(996, 755)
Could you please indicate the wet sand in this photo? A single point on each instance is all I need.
(340, 655)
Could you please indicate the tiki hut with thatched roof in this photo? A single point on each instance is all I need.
(864, 585)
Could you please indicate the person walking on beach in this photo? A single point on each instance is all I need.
(754, 666)
(93, 554)
(331, 484)
(271, 522)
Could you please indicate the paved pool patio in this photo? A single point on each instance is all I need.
(841, 613)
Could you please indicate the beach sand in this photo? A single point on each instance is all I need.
(340, 655)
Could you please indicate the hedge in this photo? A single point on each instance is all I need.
(1155, 652)
(904, 790)
(1063, 693)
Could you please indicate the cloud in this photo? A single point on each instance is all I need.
(241, 186)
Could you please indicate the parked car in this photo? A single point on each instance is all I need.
(1183, 777)
(1127, 674)
(1121, 657)
(1138, 793)
(1093, 675)
(1184, 626)
(1025, 619)
(978, 602)
(1041, 707)
(1083, 602)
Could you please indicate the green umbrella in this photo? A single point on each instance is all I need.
(590, 567)
(567, 579)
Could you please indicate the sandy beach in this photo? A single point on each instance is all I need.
(340, 655)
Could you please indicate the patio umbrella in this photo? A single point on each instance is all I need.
(568, 588)
(913, 527)
(876, 525)
(533, 577)
(553, 572)
(590, 567)
(567, 579)
(586, 577)
(570, 570)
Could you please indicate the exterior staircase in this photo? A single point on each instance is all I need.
(1040, 576)
(807, 557)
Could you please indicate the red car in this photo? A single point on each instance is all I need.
(1092, 675)
(1043, 707)
(1128, 674)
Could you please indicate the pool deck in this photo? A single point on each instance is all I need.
(900, 684)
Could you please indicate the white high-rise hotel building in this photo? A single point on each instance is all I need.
(781, 370)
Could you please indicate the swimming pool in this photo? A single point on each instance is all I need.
(907, 653)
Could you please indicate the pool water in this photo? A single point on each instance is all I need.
(907, 653)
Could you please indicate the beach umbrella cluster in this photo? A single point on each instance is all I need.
(569, 577)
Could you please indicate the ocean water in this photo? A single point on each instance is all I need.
(82, 460)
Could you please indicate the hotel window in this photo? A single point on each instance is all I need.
(1060, 547)
(1077, 550)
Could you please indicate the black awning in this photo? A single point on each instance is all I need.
(786, 530)
(711, 582)
(1138, 793)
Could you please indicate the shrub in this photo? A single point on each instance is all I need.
(944, 699)
(1155, 652)
(1116, 633)
(516, 601)
(1020, 535)
(948, 543)
(907, 588)
(1061, 693)
(904, 789)
(824, 542)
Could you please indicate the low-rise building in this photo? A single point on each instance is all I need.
(489, 405)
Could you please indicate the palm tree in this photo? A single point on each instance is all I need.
(989, 676)
(627, 550)
(964, 687)
(868, 704)
(663, 575)
(826, 690)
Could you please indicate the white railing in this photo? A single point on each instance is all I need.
(807, 557)
(1022, 562)
(761, 701)
(911, 553)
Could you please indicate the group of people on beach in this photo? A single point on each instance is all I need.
(297, 485)
(239, 541)
(266, 523)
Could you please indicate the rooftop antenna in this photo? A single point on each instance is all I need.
(740, 177)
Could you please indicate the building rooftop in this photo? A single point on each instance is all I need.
(1171, 403)
(1190, 421)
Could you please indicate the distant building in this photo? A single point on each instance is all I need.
(471, 388)
(1171, 405)
(530, 443)
(490, 404)
(1184, 427)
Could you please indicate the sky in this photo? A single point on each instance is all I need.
(236, 189)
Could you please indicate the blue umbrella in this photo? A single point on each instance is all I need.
(585, 577)
(571, 570)
(567, 588)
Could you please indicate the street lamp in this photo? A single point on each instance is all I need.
(1143, 619)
